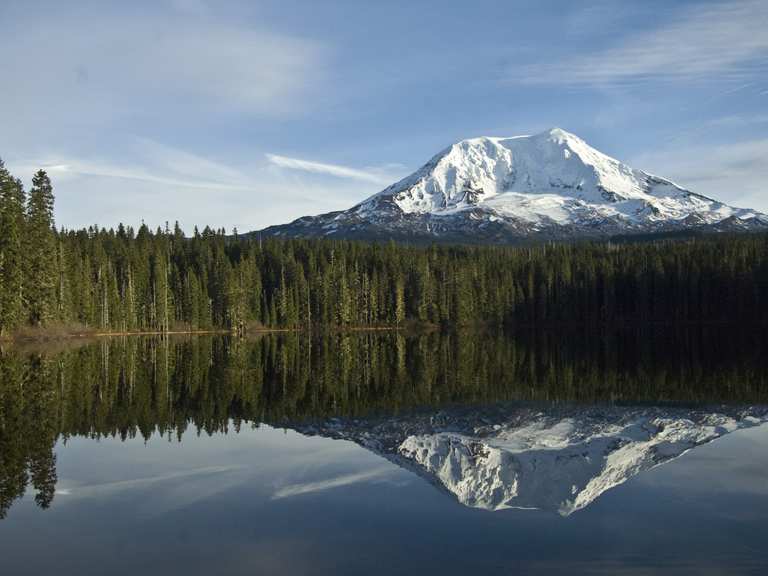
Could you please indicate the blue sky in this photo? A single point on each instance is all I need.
(249, 113)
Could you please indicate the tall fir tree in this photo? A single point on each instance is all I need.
(11, 251)
(41, 276)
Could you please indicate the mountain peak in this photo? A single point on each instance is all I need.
(560, 134)
(508, 189)
(483, 170)
(555, 135)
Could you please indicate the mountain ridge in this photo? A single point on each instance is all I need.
(546, 186)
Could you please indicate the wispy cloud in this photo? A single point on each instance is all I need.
(737, 120)
(329, 169)
(154, 162)
(339, 481)
(726, 40)
(104, 488)
(75, 167)
(96, 74)
(601, 14)
(184, 162)
(184, 71)
(735, 173)
(194, 188)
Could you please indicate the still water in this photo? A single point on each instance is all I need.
(385, 453)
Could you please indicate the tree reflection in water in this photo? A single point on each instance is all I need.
(139, 386)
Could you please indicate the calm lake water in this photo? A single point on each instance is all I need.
(383, 453)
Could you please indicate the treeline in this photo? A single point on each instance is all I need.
(132, 280)
(141, 387)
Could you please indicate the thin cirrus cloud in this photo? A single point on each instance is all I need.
(155, 163)
(104, 488)
(725, 41)
(330, 483)
(64, 169)
(182, 185)
(328, 169)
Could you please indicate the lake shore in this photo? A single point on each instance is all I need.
(62, 333)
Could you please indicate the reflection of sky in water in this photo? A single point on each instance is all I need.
(268, 500)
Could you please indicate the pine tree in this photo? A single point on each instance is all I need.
(12, 231)
(40, 250)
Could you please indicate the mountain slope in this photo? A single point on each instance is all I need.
(551, 185)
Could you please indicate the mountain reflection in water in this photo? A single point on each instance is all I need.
(529, 420)
(559, 458)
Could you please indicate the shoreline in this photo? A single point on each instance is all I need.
(58, 335)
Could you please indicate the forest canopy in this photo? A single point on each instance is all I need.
(126, 279)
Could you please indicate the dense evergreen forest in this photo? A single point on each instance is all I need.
(129, 279)
(163, 386)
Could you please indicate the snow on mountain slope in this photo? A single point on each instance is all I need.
(551, 184)
(559, 460)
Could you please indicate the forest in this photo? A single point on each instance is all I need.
(138, 280)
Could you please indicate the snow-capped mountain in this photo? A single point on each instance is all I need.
(558, 459)
(550, 185)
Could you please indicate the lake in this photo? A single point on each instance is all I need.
(618, 452)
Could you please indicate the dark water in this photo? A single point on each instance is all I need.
(381, 453)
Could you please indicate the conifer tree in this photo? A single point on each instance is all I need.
(40, 251)
(11, 251)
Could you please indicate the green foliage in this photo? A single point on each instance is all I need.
(40, 254)
(12, 232)
(127, 280)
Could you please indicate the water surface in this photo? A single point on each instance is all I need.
(622, 452)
